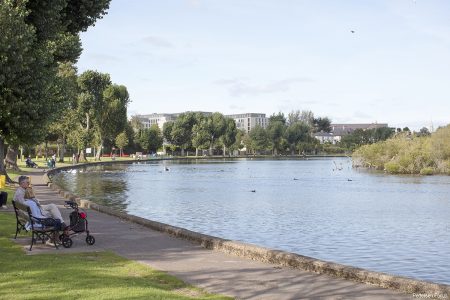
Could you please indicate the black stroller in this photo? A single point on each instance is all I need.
(78, 225)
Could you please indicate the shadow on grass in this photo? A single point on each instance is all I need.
(95, 275)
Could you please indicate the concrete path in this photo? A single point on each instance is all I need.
(214, 271)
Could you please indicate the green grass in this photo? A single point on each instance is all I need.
(94, 275)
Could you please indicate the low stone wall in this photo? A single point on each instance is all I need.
(282, 258)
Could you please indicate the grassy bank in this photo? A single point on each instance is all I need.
(408, 154)
(94, 275)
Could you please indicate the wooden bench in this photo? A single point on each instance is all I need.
(41, 229)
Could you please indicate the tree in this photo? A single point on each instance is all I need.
(181, 133)
(275, 132)
(228, 137)
(307, 117)
(423, 132)
(293, 117)
(122, 141)
(278, 117)
(114, 118)
(35, 36)
(167, 133)
(217, 125)
(322, 124)
(200, 135)
(297, 133)
(151, 139)
(94, 106)
(259, 139)
(67, 120)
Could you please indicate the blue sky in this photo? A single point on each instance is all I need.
(270, 56)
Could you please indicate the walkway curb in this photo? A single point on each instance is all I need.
(267, 255)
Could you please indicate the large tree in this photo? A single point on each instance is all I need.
(296, 133)
(259, 139)
(181, 133)
(92, 103)
(113, 117)
(35, 36)
(275, 133)
(228, 137)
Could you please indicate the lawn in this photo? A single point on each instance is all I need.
(93, 275)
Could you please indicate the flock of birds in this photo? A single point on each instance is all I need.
(336, 168)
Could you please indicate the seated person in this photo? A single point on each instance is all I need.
(30, 163)
(47, 210)
(35, 208)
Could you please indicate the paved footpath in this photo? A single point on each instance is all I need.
(214, 271)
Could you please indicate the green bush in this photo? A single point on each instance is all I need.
(427, 171)
(408, 154)
(392, 167)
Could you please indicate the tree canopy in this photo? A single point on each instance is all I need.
(35, 37)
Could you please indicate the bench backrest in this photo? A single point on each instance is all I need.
(22, 212)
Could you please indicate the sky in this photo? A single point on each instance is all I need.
(354, 61)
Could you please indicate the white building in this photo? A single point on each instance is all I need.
(325, 137)
(243, 121)
(158, 119)
(249, 120)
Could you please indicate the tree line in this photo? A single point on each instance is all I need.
(218, 134)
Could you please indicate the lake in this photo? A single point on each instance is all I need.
(321, 208)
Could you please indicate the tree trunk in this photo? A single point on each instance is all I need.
(182, 151)
(196, 151)
(46, 150)
(2, 161)
(99, 152)
(224, 151)
(63, 149)
(82, 157)
(11, 159)
(2, 157)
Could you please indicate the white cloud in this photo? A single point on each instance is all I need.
(239, 88)
(158, 42)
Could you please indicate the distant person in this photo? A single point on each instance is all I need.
(74, 158)
(29, 163)
(54, 160)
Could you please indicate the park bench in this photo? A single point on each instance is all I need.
(41, 229)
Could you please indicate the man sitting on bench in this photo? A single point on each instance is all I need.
(47, 210)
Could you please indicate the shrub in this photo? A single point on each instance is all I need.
(427, 171)
(392, 167)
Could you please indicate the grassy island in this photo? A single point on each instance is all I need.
(407, 153)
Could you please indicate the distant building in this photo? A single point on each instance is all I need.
(339, 130)
(245, 121)
(159, 119)
(325, 137)
(249, 120)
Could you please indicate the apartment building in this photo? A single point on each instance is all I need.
(245, 121)
(249, 120)
(160, 119)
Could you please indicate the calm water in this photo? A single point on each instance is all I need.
(320, 208)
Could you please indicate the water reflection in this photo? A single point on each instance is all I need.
(394, 224)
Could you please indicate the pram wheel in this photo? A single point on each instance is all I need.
(67, 242)
(90, 240)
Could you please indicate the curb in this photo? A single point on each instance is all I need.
(278, 257)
